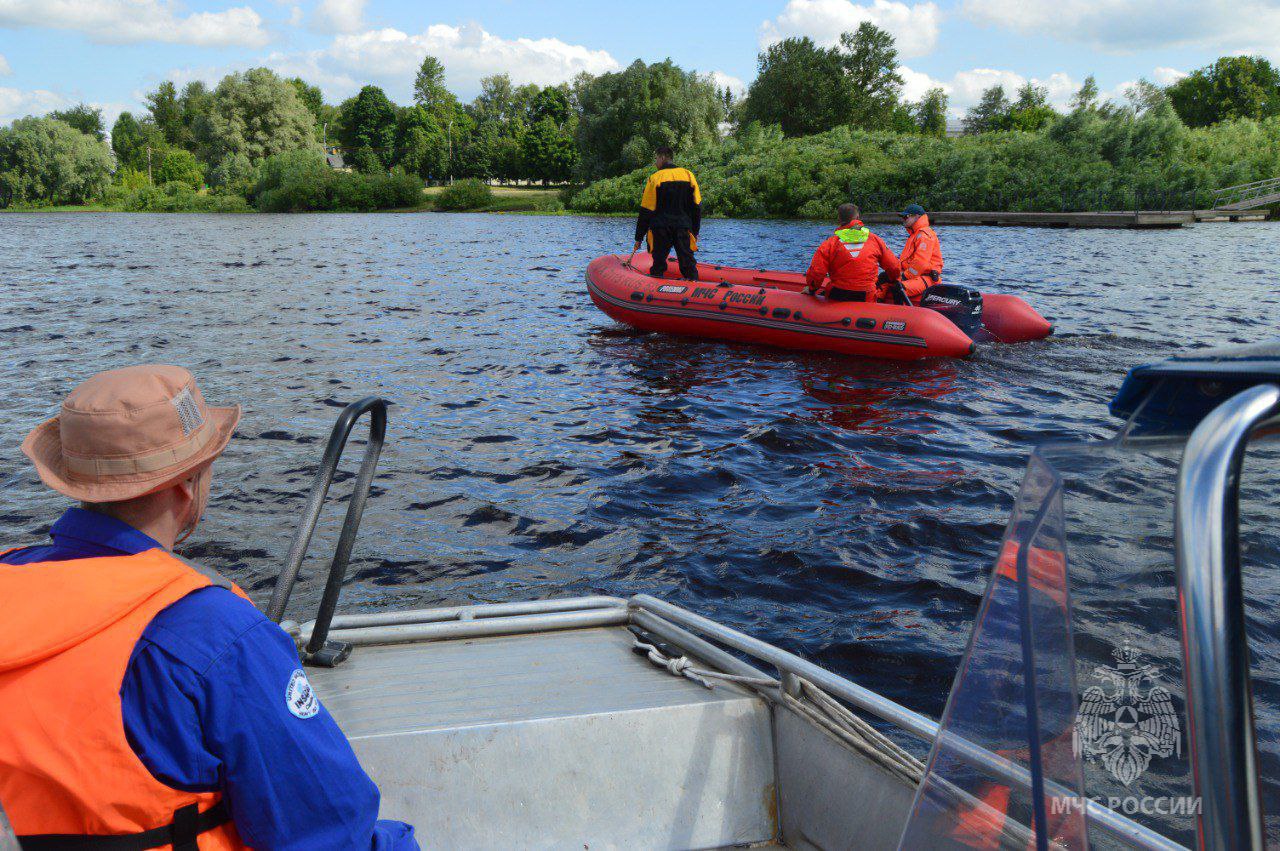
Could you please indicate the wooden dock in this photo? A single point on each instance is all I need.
(1132, 219)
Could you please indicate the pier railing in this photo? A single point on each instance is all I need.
(1020, 196)
(1247, 196)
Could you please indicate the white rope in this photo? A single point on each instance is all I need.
(823, 710)
(814, 704)
(681, 666)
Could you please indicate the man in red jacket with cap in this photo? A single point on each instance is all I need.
(921, 257)
(846, 266)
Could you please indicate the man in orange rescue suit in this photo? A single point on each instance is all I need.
(671, 216)
(144, 701)
(845, 267)
(921, 258)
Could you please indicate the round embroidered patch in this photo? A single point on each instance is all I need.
(299, 697)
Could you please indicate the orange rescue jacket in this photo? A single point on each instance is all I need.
(67, 631)
(852, 257)
(921, 256)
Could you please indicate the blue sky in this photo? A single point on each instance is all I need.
(111, 52)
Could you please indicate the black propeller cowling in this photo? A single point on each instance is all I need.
(961, 305)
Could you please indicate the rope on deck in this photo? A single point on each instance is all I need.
(826, 712)
(682, 667)
(813, 704)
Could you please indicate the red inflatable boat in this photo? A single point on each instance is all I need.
(769, 308)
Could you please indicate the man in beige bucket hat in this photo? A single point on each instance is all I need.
(143, 698)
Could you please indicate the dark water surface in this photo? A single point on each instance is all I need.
(846, 510)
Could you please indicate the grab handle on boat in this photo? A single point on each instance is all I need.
(319, 650)
(1215, 647)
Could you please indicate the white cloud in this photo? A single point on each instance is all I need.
(915, 27)
(119, 21)
(965, 88)
(296, 16)
(5, 70)
(728, 81)
(390, 58)
(916, 83)
(1167, 76)
(17, 103)
(339, 16)
(1124, 25)
(468, 53)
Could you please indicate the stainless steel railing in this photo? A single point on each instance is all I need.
(319, 650)
(1211, 607)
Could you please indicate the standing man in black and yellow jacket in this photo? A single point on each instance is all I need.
(671, 215)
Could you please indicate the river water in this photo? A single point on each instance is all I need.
(846, 510)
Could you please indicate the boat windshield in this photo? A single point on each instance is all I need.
(1071, 689)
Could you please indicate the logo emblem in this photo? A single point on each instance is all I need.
(299, 697)
(1121, 724)
(671, 288)
(895, 326)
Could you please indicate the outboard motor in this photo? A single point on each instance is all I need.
(961, 305)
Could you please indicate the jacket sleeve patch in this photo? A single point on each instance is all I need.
(299, 696)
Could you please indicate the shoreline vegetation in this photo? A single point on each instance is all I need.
(817, 127)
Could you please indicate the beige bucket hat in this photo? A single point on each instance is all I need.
(127, 432)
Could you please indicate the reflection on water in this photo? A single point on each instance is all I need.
(847, 510)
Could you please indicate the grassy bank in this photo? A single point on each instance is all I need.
(1086, 161)
(500, 199)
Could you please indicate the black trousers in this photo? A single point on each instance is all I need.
(841, 294)
(664, 239)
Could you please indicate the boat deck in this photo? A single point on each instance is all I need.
(555, 740)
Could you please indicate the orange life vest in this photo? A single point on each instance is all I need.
(67, 631)
(921, 258)
(981, 825)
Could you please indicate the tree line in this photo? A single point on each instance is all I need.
(255, 134)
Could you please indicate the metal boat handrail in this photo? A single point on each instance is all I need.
(922, 727)
(318, 650)
(1215, 646)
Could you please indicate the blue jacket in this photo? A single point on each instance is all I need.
(201, 699)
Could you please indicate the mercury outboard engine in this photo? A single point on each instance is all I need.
(961, 305)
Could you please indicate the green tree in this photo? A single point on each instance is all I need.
(870, 62)
(131, 139)
(1144, 96)
(179, 166)
(1031, 111)
(233, 175)
(931, 113)
(475, 158)
(166, 112)
(547, 152)
(990, 113)
(194, 104)
(430, 91)
(1087, 98)
(625, 115)
(257, 114)
(800, 87)
(47, 161)
(311, 96)
(551, 103)
(422, 145)
(85, 118)
(369, 122)
(505, 159)
(1233, 87)
(496, 101)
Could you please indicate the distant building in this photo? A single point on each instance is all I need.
(954, 128)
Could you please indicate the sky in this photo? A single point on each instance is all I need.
(110, 53)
